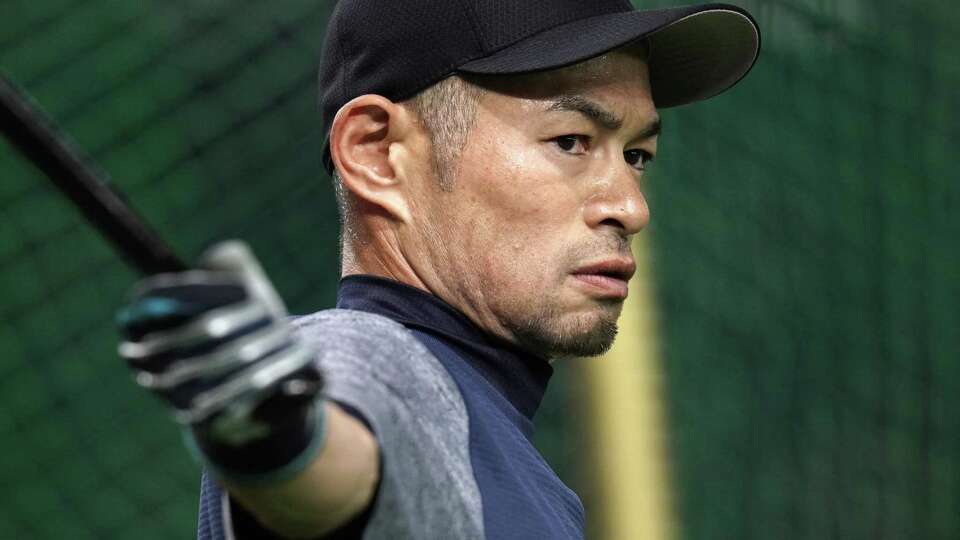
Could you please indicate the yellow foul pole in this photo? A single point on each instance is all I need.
(627, 424)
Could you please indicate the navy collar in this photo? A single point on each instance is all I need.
(520, 377)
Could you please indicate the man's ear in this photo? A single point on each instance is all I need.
(368, 144)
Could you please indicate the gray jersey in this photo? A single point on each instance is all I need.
(373, 364)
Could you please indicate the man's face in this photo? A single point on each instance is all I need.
(532, 239)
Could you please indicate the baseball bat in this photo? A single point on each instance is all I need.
(75, 175)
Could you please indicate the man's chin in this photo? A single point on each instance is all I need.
(574, 338)
(593, 343)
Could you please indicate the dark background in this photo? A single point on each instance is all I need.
(804, 243)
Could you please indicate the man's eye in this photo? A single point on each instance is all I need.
(637, 158)
(575, 144)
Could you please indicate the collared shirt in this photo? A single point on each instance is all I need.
(452, 409)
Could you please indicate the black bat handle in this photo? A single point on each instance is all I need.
(33, 133)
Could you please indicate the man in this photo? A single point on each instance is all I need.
(488, 158)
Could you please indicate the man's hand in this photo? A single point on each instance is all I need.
(214, 343)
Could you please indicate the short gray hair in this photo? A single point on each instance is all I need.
(448, 110)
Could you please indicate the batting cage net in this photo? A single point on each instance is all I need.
(804, 243)
(806, 233)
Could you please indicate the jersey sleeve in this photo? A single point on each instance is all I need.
(375, 367)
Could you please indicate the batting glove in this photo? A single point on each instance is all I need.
(215, 344)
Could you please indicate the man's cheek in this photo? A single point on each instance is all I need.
(535, 273)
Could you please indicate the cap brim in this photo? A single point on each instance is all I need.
(696, 52)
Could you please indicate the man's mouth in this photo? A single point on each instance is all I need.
(607, 278)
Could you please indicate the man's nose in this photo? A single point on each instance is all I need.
(618, 202)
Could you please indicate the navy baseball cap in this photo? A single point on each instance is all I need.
(396, 48)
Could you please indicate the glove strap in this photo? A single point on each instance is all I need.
(295, 439)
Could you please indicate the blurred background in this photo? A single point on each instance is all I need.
(805, 276)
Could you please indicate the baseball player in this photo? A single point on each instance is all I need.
(488, 158)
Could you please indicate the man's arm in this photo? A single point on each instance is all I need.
(335, 487)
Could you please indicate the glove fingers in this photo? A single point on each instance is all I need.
(246, 388)
(183, 395)
(167, 306)
(209, 359)
(207, 331)
(236, 257)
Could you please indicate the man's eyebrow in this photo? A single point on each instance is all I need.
(653, 128)
(588, 108)
(595, 112)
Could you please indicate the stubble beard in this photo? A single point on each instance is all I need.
(551, 332)
(548, 329)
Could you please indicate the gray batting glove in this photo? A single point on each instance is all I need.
(214, 343)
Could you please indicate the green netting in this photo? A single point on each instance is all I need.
(804, 229)
(204, 114)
